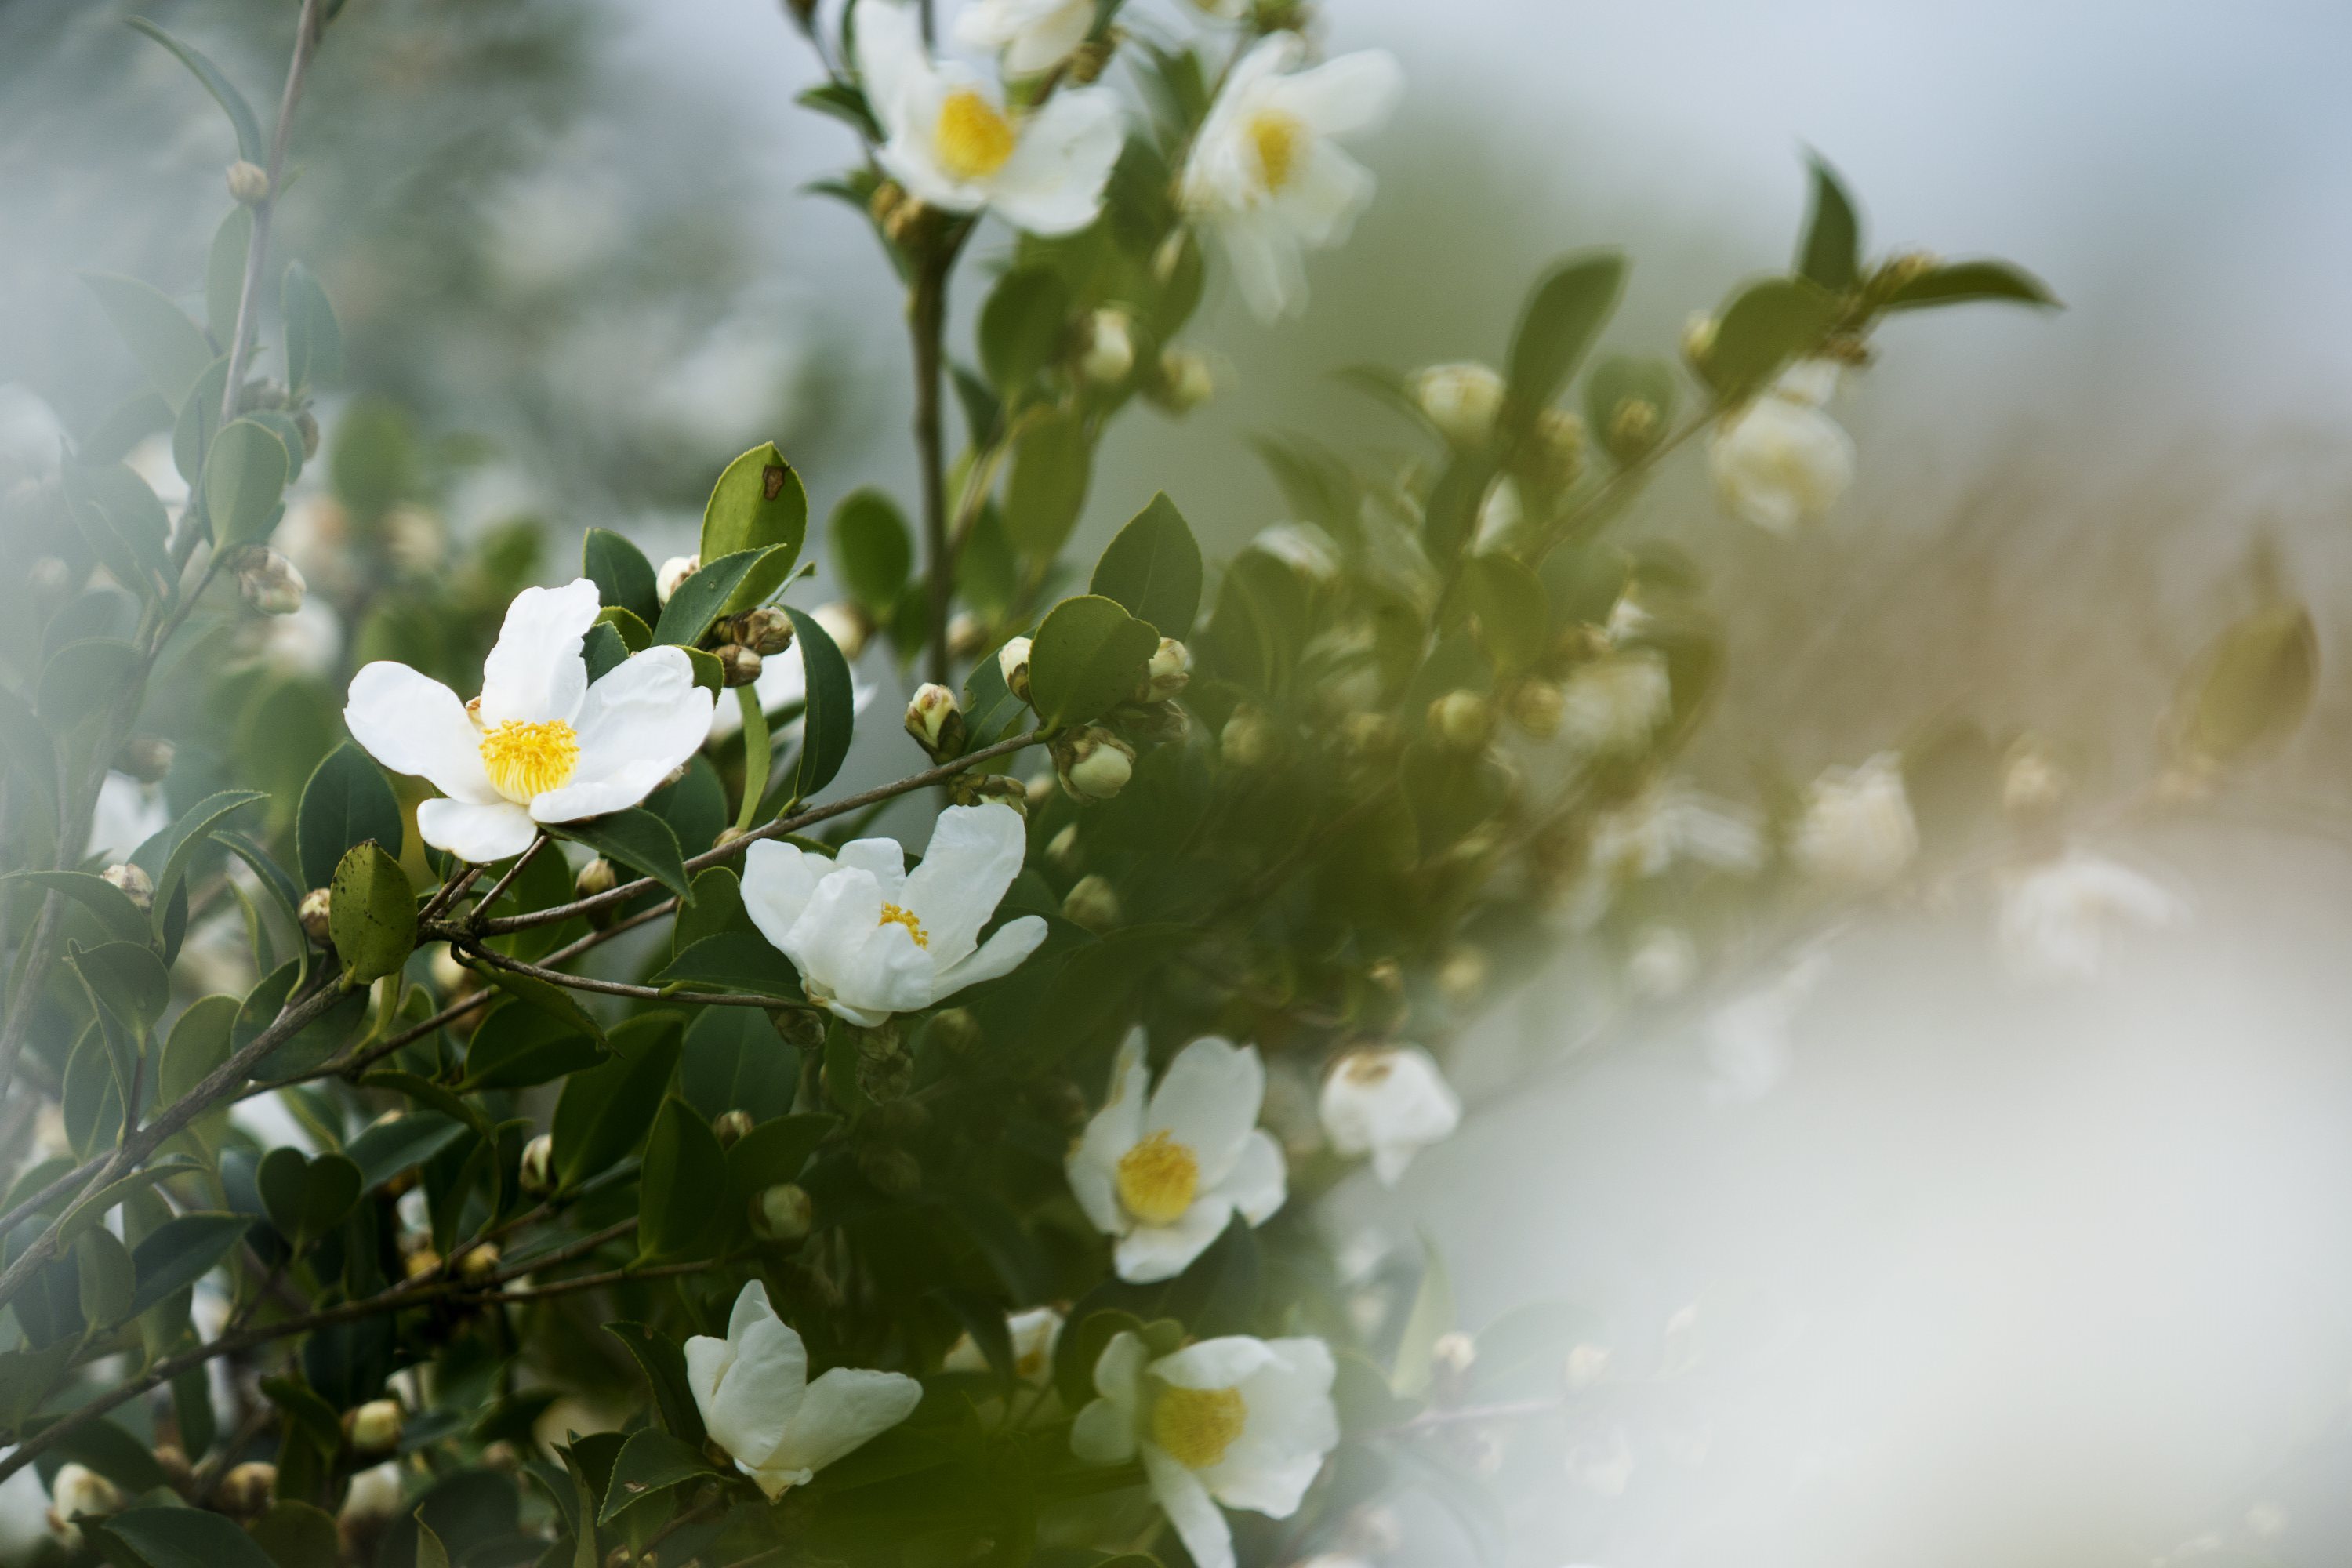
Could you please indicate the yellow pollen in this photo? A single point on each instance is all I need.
(973, 138)
(1280, 139)
(892, 915)
(1157, 1179)
(1196, 1426)
(528, 760)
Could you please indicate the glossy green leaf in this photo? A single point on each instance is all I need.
(775, 1150)
(300, 1535)
(732, 961)
(638, 839)
(665, 1368)
(1558, 326)
(551, 1000)
(398, 1143)
(104, 1274)
(623, 577)
(306, 1198)
(127, 979)
(314, 338)
(172, 348)
(179, 1537)
(241, 117)
(1830, 252)
(702, 599)
(1766, 325)
(517, 1046)
(181, 841)
(605, 1110)
(758, 504)
(990, 711)
(873, 549)
(123, 919)
(832, 712)
(716, 906)
(347, 803)
(1089, 655)
(181, 1251)
(373, 914)
(733, 1061)
(1021, 326)
(683, 1166)
(1052, 462)
(245, 475)
(651, 1461)
(1152, 567)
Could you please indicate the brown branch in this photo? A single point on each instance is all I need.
(622, 988)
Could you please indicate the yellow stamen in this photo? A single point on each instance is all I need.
(892, 915)
(973, 138)
(1196, 1426)
(1280, 139)
(528, 760)
(1157, 1179)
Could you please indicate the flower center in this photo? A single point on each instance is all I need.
(892, 915)
(528, 760)
(1157, 1179)
(1196, 1426)
(1279, 139)
(1366, 1068)
(973, 138)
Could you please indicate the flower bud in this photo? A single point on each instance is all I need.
(421, 1264)
(738, 665)
(1013, 662)
(596, 877)
(1106, 356)
(1092, 902)
(249, 183)
(79, 1490)
(1633, 427)
(1464, 401)
(146, 759)
(766, 631)
(972, 788)
(244, 1493)
(1062, 849)
(732, 1127)
(1907, 268)
(1556, 449)
(1698, 336)
(270, 581)
(801, 1028)
(1170, 671)
(1155, 723)
(317, 913)
(674, 571)
(373, 1429)
(134, 883)
(1180, 381)
(1373, 737)
(783, 1213)
(967, 634)
(936, 723)
(1094, 765)
(262, 392)
(894, 1171)
(849, 626)
(1462, 974)
(1537, 707)
(1250, 738)
(538, 1176)
(478, 1264)
(958, 1030)
(1453, 1354)
(1462, 719)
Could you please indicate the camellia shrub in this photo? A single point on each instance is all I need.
(686, 1174)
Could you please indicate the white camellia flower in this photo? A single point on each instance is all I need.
(1265, 172)
(1165, 1169)
(1782, 460)
(1033, 1334)
(1857, 829)
(540, 743)
(2054, 917)
(1616, 703)
(871, 938)
(1238, 1421)
(953, 144)
(753, 1390)
(1034, 35)
(1388, 1102)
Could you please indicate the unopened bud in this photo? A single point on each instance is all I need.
(317, 914)
(801, 1028)
(538, 1175)
(77, 1489)
(733, 1127)
(1107, 357)
(249, 183)
(766, 631)
(936, 723)
(973, 788)
(1463, 975)
(1698, 336)
(1013, 662)
(846, 624)
(133, 882)
(1557, 454)
(1062, 849)
(1464, 401)
(1092, 902)
(1537, 707)
(596, 877)
(1909, 267)
(245, 1492)
(1249, 739)
(145, 759)
(1452, 1354)
(967, 634)
(373, 1429)
(270, 581)
(262, 392)
(1462, 719)
(738, 665)
(783, 1213)
(1373, 737)
(674, 571)
(306, 424)
(1093, 765)
(1170, 671)
(892, 1170)
(1180, 381)
(958, 1030)
(1155, 723)
(1634, 426)
(421, 1264)
(478, 1264)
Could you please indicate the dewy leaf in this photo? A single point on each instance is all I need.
(683, 1167)
(873, 549)
(1959, 283)
(2248, 690)
(1152, 567)
(638, 839)
(832, 712)
(1830, 252)
(623, 577)
(757, 504)
(1766, 325)
(1089, 655)
(605, 1110)
(244, 473)
(371, 914)
(1562, 316)
(1021, 326)
(702, 598)
(1052, 462)
(241, 117)
(346, 803)
(314, 338)
(172, 348)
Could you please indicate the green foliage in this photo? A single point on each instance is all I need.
(241, 117)
(172, 348)
(1763, 327)
(638, 839)
(2248, 690)
(346, 804)
(373, 914)
(1052, 462)
(831, 714)
(1089, 655)
(1557, 328)
(715, 589)
(623, 577)
(1152, 568)
(684, 1166)
(758, 505)
(873, 549)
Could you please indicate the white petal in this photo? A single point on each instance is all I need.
(1199, 1523)
(1093, 1161)
(1259, 1182)
(1291, 1424)
(1353, 93)
(1322, 200)
(1151, 1252)
(779, 880)
(1267, 265)
(1103, 1434)
(891, 59)
(1053, 184)
(481, 834)
(1208, 1100)
(413, 724)
(636, 725)
(1214, 1363)
(845, 1409)
(535, 672)
(762, 1389)
(974, 854)
(1006, 950)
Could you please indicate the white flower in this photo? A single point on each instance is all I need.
(753, 1390)
(129, 814)
(1034, 35)
(1780, 460)
(1166, 1175)
(1264, 170)
(1671, 822)
(376, 1494)
(1663, 963)
(77, 1491)
(1857, 829)
(1616, 704)
(1238, 1421)
(1109, 356)
(2054, 917)
(309, 642)
(1390, 1102)
(953, 145)
(1033, 1335)
(539, 744)
(871, 938)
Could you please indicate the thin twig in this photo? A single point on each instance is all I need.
(489, 900)
(497, 960)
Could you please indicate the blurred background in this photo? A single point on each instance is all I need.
(1971, 1272)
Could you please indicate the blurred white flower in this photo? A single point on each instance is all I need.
(1238, 1421)
(1388, 1102)
(557, 223)
(129, 814)
(1751, 1043)
(1663, 962)
(1033, 36)
(1165, 1169)
(1301, 546)
(753, 1390)
(1462, 400)
(23, 1501)
(1673, 821)
(2055, 917)
(1265, 171)
(953, 144)
(77, 1490)
(307, 642)
(415, 540)
(1616, 703)
(1782, 460)
(1033, 1335)
(1857, 830)
(376, 1494)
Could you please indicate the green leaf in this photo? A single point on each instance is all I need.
(198, 418)
(113, 1453)
(314, 339)
(990, 711)
(605, 1109)
(716, 906)
(127, 979)
(832, 712)
(172, 348)
(347, 803)
(732, 961)
(638, 839)
(1089, 655)
(712, 592)
(650, 1461)
(873, 549)
(300, 1535)
(1080, 1346)
(733, 1061)
(1830, 252)
(634, 634)
(845, 103)
(373, 914)
(1052, 462)
(241, 117)
(435, 1096)
(306, 1198)
(1021, 327)
(1514, 614)
(181, 1251)
(81, 680)
(1767, 324)
(623, 577)
(133, 420)
(774, 1152)
(103, 1275)
(430, 1552)
(1558, 326)
(1152, 567)
(2248, 690)
(683, 1166)
(180, 842)
(123, 919)
(551, 1000)
(224, 273)
(178, 1537)
(25, 745)
(1618, 384)
(518, 1045)
(1959, 283)
(399, 1143)
(602, 651)
(245, 475)
(758, 504)
(665, 1367)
